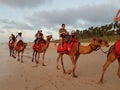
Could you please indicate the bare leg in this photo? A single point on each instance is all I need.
(62, 64)
(59, 56)
(119, 68)
(43, 58)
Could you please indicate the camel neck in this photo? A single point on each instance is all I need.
(47, 43)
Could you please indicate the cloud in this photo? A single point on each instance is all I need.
(10, 24)
(2, 31)
(24, 3)
(86, 16)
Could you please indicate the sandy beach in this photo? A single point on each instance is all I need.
(29, 76)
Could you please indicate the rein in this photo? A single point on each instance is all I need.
(106, 52)
(96, 47)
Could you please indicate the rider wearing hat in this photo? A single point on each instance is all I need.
(18, 38)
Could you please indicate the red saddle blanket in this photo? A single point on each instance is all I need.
(17, 48)
(117, 48)
(66, 48)
(37, 47)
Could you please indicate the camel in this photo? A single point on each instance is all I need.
(11, 48)
(36, 53)
(78, 49)
(20, 50)
(111, 57)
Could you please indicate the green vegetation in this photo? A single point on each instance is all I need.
(107, 32)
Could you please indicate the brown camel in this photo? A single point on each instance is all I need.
(80, 49)
(11, 47)
(19, 49)
(36, 53)
(111, 57)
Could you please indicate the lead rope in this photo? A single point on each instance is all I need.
(106, 52)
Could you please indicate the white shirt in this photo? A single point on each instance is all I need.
(19, 38)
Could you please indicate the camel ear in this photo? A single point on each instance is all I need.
(94, 39)
(100, 41)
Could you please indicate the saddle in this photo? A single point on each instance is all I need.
(38, 44)
(66, 48)
(19, 45)
(117, 48)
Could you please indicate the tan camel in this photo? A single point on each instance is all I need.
(80, 49)
(36, 53)
(111, 57)
(20, 50)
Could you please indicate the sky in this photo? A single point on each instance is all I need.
(29, 16)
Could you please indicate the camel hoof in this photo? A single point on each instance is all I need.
(32, 60)
(75, 76)
(69, 72)
(37, 62)
(118, 75)
(13, 56)
(58, 68)
(43, 65)
(64, 72)
(22, 62)
(100, 82)
(18, 59)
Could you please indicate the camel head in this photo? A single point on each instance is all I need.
(25, 45)
(95, 42)
(99, 42)
(104, 43)
(49, 37)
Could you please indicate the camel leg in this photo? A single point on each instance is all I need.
(33, 56)
(14, 55)
(37, 61)
(18, 56)
(119, 68)
(36, 56)
(62, 64)
(74, 65)
(22, 56)
(10, 52)
(43, 58)
(110, 59)
(59, 56)
(76, 58)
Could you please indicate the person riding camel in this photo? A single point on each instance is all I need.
(12, 38)
(62, 34)
(117, 17)
(116, 20)
(39, 37)
(18, 38)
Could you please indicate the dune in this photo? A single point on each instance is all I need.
(29, 76)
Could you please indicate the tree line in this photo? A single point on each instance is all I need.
(102, 31)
